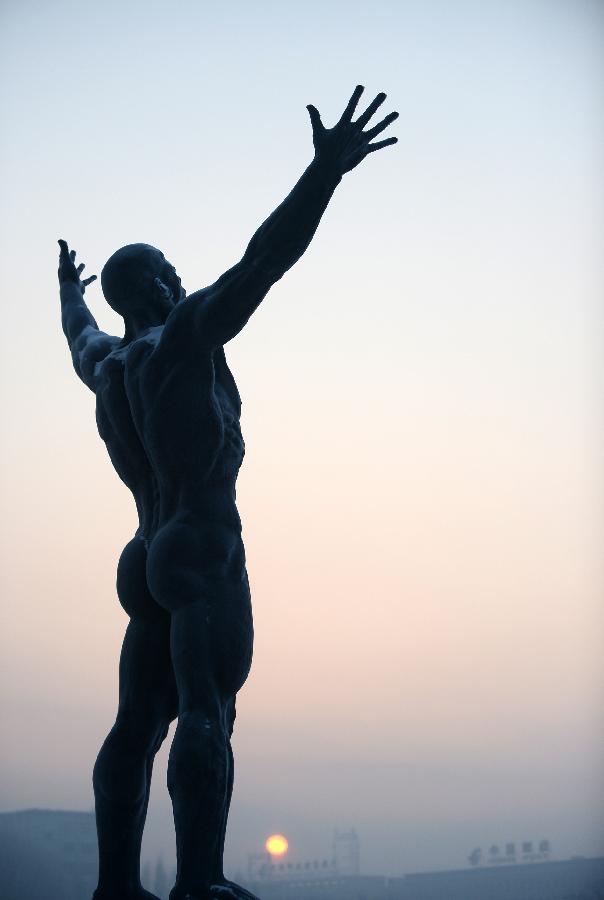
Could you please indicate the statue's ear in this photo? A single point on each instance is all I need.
(162, 289)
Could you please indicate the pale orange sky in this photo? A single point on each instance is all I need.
(422, 491)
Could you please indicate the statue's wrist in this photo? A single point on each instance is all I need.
(69, 283)
(331, 172)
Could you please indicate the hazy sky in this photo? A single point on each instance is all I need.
(422, 491)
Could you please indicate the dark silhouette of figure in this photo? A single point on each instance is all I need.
(168, 410)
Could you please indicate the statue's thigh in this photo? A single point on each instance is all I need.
(212, 644)
(147, 686)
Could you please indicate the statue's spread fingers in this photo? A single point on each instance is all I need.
(88, 281)
(380, 126)
(63, 246)
(364, 118)
(352, 104)
(315, 117)
(371, 147)
(72, 255)
(80, 268)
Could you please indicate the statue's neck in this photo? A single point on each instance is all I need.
(137, 326)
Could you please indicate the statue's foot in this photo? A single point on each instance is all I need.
(224, 890)
(228, 890)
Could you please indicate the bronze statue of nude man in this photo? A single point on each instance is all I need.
(168, 410)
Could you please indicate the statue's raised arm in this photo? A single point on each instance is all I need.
(216, 314)
(87, 343)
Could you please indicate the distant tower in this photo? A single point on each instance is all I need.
(346, 851)
(161, 886)
(258, 866)
(475, 857)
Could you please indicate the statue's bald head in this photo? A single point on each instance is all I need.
(139, 275)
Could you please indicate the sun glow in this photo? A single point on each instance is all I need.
(276, 845)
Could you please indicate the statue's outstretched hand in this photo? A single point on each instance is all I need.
(67, 268)
(346, 144)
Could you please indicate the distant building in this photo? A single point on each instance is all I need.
(530, 852)
(346, 852)
(344, 862)
(262, 869)
(574, 879)
(328, 887)
(507, 872)
(47, 854)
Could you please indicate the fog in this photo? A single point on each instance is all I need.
(422, 491)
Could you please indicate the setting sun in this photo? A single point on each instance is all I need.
(276, 845)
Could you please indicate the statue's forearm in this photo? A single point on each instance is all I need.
(75, 315)
(283, 238)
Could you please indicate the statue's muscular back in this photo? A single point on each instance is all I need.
(186, 410)
(169, 416)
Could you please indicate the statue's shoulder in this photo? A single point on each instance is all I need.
(113, 362)
(178, 342)
(138, 349)
(127, 357)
